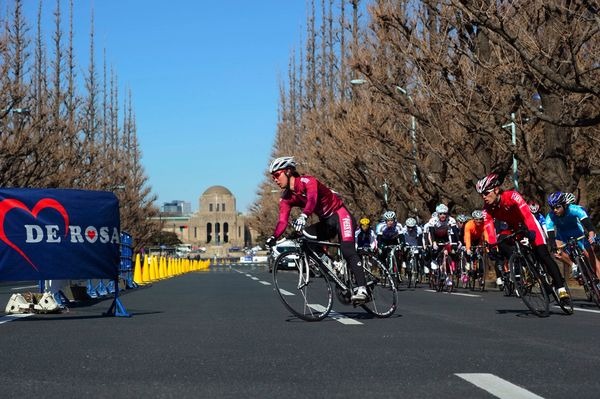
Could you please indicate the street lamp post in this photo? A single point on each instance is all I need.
(413, 135)
(513, 130)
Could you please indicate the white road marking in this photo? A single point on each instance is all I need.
(12, 317)
(254, 278)
(458, 293)
(335, 315)
(264, 282)
(284, 292)
(581, 309)
(497, 386)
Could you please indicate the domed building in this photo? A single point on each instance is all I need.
(217, 222)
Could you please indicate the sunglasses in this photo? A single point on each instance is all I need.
(276, 175)
(442, 213)
(557, 207)
(487, 192)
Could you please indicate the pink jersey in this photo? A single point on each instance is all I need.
(312, 196)
(512, 209)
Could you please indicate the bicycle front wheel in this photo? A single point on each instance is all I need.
(302, 286)
(382, 289)
(528, 286)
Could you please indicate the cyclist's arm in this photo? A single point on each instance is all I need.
(467, 236)
(527, 217)
(489, 228)
(284, 214)
(311, 188)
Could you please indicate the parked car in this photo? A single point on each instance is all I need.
(282, 247)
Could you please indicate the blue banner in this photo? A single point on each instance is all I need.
(58, 234)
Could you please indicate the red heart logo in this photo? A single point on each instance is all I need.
(91, 234)
(10, 204)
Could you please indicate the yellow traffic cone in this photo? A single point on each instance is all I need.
(137, 271)
(146, 270)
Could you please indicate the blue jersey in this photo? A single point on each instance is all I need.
(569, 224)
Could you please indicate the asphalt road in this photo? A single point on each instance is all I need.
(224, 334)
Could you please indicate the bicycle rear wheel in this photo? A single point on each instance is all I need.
(382, 289)
(590, 280)
(529, 286)
(302, 286)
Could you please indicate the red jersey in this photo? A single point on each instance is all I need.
(512, 209)
(312, 196)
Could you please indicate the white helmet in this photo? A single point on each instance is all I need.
(389, 215)
(411, 222)
(441, 208)
(570, 198)
(282, 163)
(477, 214)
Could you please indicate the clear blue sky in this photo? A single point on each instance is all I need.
(204, 77)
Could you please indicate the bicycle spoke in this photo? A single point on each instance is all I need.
(529, 286)
(382, 289)
(302, 287)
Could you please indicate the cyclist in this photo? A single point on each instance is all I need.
(475, 235)
(510, 207)
(388, 235)
(461, 220)
(364, 236)
(441, 235)
(313, 196)
(410, 236)
(566, 221)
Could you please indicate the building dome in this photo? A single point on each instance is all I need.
(219, 190)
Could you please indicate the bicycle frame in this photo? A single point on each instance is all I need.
(307, 245)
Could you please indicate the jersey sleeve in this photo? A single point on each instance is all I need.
(549, 223)
(311, 188)
(489, 227)
(284, 214)
(467, 237)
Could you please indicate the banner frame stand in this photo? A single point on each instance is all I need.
(116, 308)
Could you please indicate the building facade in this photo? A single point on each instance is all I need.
(217, 223)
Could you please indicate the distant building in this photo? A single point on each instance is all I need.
(217, 223)
(177, 208)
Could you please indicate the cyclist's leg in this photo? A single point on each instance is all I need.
(543, 255)
(345, 230)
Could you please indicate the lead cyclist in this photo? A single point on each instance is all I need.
(313, 196)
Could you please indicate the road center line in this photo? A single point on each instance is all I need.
(497, 386)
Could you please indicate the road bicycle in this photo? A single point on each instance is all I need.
(478, 268)
(532, 283)
(444, 277)
(391, 262)
(414, 265)
(591, 283)
(306, 278)
(463, 268)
